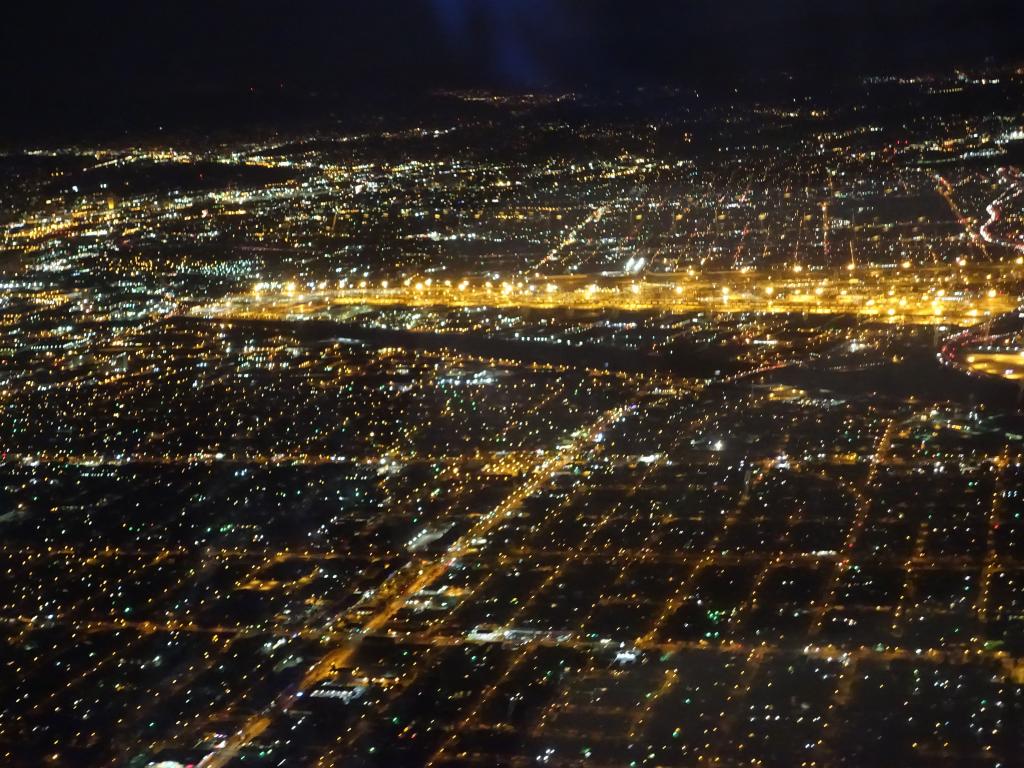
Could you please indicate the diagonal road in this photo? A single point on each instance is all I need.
(427, 572)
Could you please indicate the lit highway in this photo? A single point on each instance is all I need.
(958, 294)
(405, 584)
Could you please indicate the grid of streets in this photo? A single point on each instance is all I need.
(521, 435)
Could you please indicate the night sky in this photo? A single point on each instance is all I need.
(89, 59)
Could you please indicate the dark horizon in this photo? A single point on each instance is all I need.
(144, 64)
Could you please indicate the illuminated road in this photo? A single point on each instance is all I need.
(992, 349)
(977, 237)
(404, 583)
(961, 294)
(1010, 176)
(570, 237)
